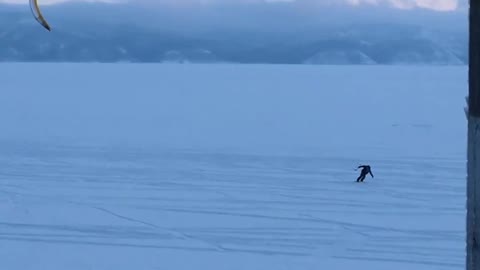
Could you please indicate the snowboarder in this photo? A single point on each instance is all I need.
(365, 170)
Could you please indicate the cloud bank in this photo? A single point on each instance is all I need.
(438, 5)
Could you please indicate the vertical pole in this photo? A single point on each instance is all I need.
(473, 151)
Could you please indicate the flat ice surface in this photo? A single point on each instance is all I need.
(231, 167)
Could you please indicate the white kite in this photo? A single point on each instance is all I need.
(38, 14)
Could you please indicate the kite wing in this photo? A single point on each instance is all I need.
(37, 14)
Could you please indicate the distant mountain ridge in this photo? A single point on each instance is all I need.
(87, 32)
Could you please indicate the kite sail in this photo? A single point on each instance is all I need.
(38, 15)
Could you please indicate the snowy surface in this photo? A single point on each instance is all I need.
(231, 167)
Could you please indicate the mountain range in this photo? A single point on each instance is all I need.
(275, 34)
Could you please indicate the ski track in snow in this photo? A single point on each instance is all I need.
(167, 204)
(65, 207)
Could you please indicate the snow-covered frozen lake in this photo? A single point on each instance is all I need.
(127, 166)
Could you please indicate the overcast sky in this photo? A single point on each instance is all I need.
(439, 5)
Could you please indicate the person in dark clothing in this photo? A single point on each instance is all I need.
(365, 170)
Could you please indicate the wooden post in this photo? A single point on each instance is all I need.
(473, 151)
